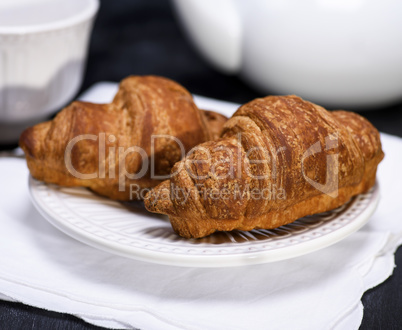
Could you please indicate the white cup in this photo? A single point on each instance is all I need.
(43, 49)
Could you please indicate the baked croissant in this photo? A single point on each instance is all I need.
(280, 158)
(109, 147)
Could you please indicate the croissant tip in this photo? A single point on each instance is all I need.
(27, 141)
(158, 199)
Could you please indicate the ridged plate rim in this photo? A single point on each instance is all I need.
(56, 205)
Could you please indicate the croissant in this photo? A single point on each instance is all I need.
(280, 158)
(120, 149)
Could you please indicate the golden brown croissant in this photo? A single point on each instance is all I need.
(280, 158)
(103, 146)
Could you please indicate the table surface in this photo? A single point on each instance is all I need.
(144, 37)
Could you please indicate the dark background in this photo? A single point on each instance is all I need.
(143, 37)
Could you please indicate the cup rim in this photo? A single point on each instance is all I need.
(90, 10)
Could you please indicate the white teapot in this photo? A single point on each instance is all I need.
(340, 53)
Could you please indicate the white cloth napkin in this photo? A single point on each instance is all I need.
(43, 267)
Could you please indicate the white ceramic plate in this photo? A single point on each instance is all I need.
(129, 230)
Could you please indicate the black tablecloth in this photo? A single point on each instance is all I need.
(143, 37)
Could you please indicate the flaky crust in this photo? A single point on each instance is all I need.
(214, 122)
(309, 160)
(143, 106)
